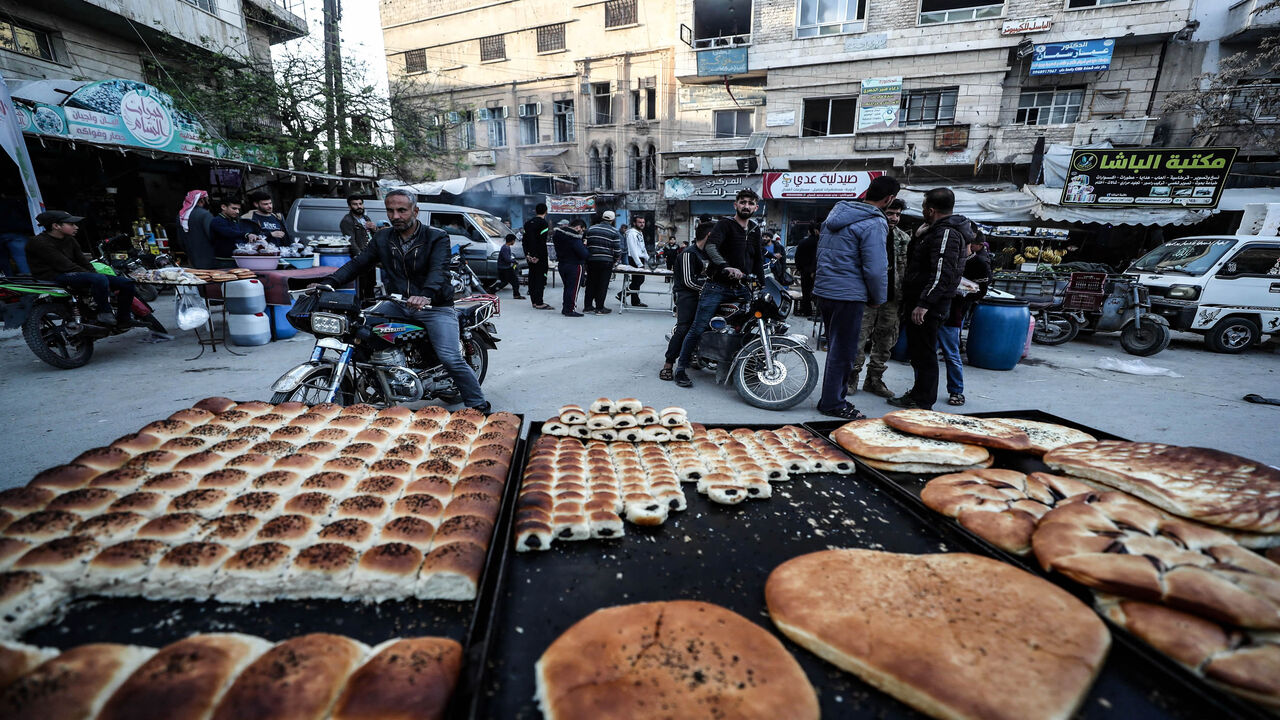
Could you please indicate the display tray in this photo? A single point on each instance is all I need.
(137, 621)
(1168, 676)
(723, 554)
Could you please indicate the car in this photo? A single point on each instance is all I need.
(478, 234)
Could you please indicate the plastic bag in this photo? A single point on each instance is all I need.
(1134, 367)
(192, 312)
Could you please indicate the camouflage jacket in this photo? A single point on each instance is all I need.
(900, 241)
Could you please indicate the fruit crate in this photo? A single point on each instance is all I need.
(1085, 292)
(1031, 287)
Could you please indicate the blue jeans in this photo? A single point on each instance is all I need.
(843, 319)
(13, 245)
(441, 324)
(101, 286)
(949, 341)
(709, 301)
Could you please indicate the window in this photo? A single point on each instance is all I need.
(733, 123)
(637, 106)
(497, 132)
(830, 17)
(415, 61)
(1074, 4)
(493, 47)
(606, 168)
(529, 113)
(949, 11)
(829, 116)
(1049, 107)
(651, 103)
(602, 104)
(1257, 98)
(619, 12)
(563, 113)
(593, 167)
(1261, 260)
(435, 134)
(206, 5)
(635, 167)
(721, 23)
(551, 38)
(465, 121)
(26, 40)
(651, 169)
(929, 107)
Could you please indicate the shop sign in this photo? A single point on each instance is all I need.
(866, 43)
(798, 185)
(1179, 177)
(878, 104)
(1026, 25)
(782, 118)
(1072, 57)
(694, 97)
(716, 187)
(571, 204)
(725, 61)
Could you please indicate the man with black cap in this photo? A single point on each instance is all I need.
(55, 256)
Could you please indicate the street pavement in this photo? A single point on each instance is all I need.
(546, 360)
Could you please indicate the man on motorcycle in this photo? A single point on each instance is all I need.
(415, 263)
(55, 256)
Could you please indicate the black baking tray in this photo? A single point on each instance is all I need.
(723, 555)
(138, 621)
(908, 486)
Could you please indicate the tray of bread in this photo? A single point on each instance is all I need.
(1175, 546)
(374, 523)
(707, 608)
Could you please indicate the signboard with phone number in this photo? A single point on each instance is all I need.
(1159, 177)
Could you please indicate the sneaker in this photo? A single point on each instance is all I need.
(682, 379)
(572, 314)
(484, 407)
(638, 304)
(955, 399)
(106, 318)
(603, 311)
(618, 296)
(848, 412)
(876, 386)
(518, 297)
(905, 401)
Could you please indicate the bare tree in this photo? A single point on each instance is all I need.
(1240, 101)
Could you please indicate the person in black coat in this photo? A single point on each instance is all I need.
(534, 238)
(690, 274)
(571, 255)
(807, 266)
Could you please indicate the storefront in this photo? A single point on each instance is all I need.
(800, 199)
(689, 198)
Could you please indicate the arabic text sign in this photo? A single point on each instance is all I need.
(726, 61)
(716, 187)
(1170, 177)
(878, 103)
(692, 97)
(1072, 57)
(800, 185)
(1026, 25)
(571, 204)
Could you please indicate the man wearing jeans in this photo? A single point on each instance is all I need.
(415, 263)
(733, 250)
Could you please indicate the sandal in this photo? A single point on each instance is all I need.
(665, 374)
(848, 412)
(955, 399)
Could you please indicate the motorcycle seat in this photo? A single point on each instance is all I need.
(468, 311)
(29, 280)
(1043, 305)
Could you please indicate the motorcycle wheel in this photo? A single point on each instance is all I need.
(1055, 329)
(45, 331)
(314, 387)
(146, 292)
(1147, 340)
(794, 377)
(477, 356)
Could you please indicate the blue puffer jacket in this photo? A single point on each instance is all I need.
(853, 261)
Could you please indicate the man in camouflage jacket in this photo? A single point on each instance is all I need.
(880, 324)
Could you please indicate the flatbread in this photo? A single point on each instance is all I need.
(958, 428)
(873, 439)
(1210, 486)
(1002, 507)
(691, 659)
(925, 468)
(1046, 436)
(952, 635)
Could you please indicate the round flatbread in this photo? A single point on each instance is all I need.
(924, 468)
(1000, 506)
(873, 439)
(953, 635)
(958, 428)
(691, 659)
(1046, 436)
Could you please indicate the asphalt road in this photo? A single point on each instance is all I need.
(546, 360)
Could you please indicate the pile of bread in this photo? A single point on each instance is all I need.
(1163, 533)
(627, 420)
(231, 677)
(221, 275)
(253, 502)
(575, 491)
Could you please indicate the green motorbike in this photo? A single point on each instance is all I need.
(60, 325)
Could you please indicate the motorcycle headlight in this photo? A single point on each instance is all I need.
(328, 324)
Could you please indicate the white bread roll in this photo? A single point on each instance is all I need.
(75, 684)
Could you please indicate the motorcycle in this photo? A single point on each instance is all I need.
(118, 252)
(1095, 302)
(60, 325)
(377, 354)
(749, 342)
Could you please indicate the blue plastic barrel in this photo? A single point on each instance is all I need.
(899, 351)
(334, 259)
(998, 333)
(281, 329)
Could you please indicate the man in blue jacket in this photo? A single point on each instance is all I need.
(853, 271)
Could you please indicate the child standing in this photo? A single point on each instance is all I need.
(507, 269)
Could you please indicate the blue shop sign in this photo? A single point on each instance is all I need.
(725, 61)
(1072, 57)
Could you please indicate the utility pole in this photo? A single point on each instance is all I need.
(335, 109)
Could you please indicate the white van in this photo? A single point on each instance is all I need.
(1225, 287)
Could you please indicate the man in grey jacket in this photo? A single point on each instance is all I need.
(853, 271)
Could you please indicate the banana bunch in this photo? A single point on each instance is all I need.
(1052, 257)
(1032, 253)
(1019, 259)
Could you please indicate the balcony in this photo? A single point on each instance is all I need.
(719, 24)
(1252, 19)
(283, 20)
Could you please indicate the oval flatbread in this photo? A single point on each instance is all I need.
(958, 428)
(1000, 506)
(873, 439)
(692, 659)
(924, 468)
(1046, 436)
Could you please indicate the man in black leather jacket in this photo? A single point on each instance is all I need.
(415, 263)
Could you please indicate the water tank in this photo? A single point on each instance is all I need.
(998, 333)
(245, 297)
(250, 329)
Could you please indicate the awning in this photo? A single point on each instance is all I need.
(1237, 198)
(1047, 208)
(554, 152)
(1003, 203)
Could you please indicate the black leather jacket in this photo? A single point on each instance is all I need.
(417, 266)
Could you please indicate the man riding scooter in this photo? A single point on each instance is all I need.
(54, 256)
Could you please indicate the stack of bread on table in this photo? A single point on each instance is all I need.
(229, 676)
(627, 420)
(246, 502)
(1164, 534)
(573, 490)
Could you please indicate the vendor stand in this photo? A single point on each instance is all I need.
(663, 290)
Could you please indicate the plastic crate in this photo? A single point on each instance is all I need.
(1087, 282)
(1031, 288)
(1083, 301)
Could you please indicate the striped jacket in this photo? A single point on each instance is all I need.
(604, 243)
(935, 260)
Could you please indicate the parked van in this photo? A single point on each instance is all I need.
(480, 234)
(1225, 287)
